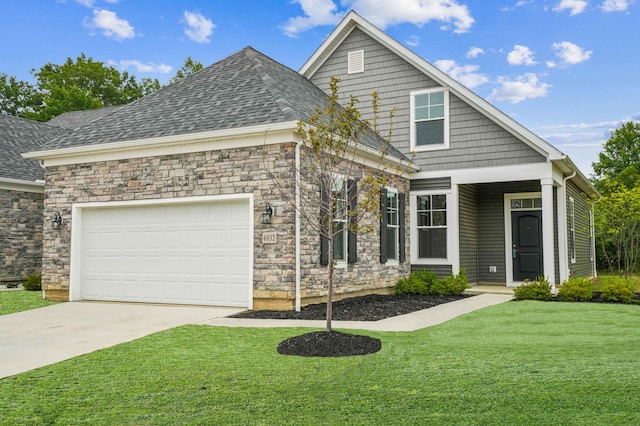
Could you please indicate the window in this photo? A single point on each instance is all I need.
(355, 61)
(572, 230)
(340, 226)
(432, 226)
(430, 120)
(392, 234)
(344, 194)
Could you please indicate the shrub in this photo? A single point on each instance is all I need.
(418, 282)
(578, 289)
(618, 289)
(451, 285)
(32, 283)
(534, 290)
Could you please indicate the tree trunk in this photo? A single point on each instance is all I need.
(330, 266)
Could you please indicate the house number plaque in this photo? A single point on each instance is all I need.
(269, 238)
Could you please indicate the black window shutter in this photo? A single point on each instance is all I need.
(324, 217)
(401, 224)
(352, 236)
(383, 225)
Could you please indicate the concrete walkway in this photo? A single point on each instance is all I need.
(48, 335)
(39, 337)
(409, 322)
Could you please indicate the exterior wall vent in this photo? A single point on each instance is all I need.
(355, 62)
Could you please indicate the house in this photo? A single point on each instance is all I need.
(21, 198)
(162, 200)
(491, 197)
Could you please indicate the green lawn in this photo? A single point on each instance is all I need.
(17, 300)
(517, 363)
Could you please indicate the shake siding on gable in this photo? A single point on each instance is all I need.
(475, 141)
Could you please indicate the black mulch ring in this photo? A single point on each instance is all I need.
(374, 307)
(329, 344)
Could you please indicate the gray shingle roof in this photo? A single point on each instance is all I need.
(17, 136)
(76, 119)
(244, 89)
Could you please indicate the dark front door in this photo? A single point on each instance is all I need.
(526, 231)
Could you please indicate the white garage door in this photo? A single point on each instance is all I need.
(169, 253)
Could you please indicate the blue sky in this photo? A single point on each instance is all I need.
(566, 69)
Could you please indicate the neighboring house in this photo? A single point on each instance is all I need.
(162, 199)
(491, 197)
(73, 120)
(21, 197)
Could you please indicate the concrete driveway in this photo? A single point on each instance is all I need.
(45, 336)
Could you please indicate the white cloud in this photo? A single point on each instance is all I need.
(569, 54)
(413, 41)
(111, 25)
(418, 12)
(317, 12)
(517, 5)
(465, 74)
(142, 68)
(575, 7)
(524, 87)
(199, 28)
(474, 52)
(381, 14)
(520, 55)
(615, 5)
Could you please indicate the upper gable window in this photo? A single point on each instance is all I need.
(429, 120)
(355, 61)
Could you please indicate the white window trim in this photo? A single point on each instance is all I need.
(395, 262)
(412, 127)
(344, 262)
(452, 226)
(571, 215)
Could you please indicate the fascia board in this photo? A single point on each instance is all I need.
(192, 142)
(22, 185)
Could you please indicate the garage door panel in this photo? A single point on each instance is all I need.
(191, 253)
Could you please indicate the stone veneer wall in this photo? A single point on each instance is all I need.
(20, 234)
(367, 275)
(230, 171)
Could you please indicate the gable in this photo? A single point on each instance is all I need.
(475, 139)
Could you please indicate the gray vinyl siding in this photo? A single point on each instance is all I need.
(468, 231)
(475, 140)
(583, 267)
(440, 270)
(491, 231)
(431, 184)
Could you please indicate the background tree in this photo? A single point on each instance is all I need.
(620, 157)
(85, 84)
(190, 66)
(17, 97)
(348, 189)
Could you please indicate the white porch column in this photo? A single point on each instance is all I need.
(548, 232)
(563, 254)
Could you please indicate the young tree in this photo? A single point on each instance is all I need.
(348, 189)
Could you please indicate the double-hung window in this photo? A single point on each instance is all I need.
(430, 119)
(431, 212)
(392, 222)
(343, 192)
(340, 224)
(572, 230)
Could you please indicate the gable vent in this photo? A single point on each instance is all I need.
(355, 62)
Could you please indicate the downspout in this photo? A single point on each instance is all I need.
(297, 208)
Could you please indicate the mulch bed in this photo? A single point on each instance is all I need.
(373, 307)
(336, 344)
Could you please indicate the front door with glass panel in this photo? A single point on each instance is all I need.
(526, 233)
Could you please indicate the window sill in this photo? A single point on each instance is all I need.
(392, 262)
(430, 262)
(341, 264)
(426, 148)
